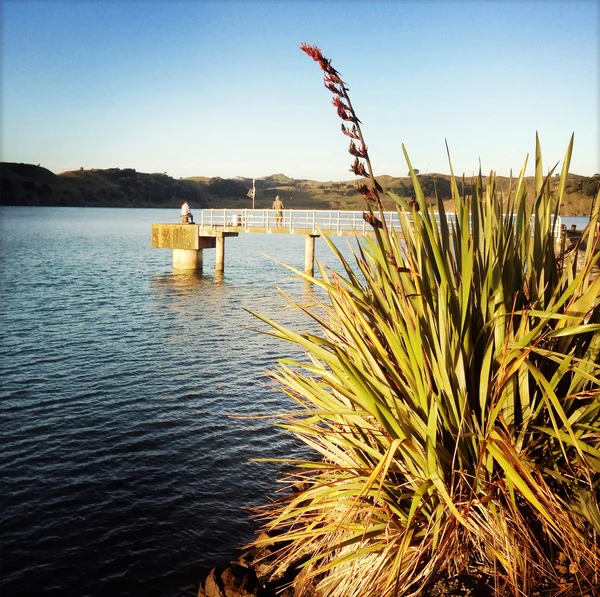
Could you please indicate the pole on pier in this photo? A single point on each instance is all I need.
(220, 255)
(309, 255)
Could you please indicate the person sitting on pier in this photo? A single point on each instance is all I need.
(278, 206)
(186, 214)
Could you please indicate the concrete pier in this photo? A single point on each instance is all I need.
(309, 254)
(214, 225)
(187, 259)
(188, 242)
(220, 256)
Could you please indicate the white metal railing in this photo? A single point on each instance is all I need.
(331, 221)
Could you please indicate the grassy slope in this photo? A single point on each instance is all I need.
(26, 184)
(342, 194)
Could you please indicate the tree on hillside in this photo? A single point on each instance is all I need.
(224, 187)
(590, 187)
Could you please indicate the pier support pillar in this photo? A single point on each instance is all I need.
(187, 259)
(309, 255)
(220, 255)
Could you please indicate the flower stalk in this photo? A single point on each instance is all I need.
(361, 166)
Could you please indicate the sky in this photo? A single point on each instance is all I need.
(220, 88)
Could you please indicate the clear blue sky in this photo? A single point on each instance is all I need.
(220, 88)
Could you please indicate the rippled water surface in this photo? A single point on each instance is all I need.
(122, 473)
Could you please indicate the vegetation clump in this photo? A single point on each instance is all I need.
(452, 397)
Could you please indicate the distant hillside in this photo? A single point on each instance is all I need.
(26, 184)
(303, 193)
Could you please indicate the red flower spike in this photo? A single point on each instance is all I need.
(359, 169)
(344, 115)
(332, 78)
(333, 88)
(326, 66)
(312, 51)
(362, 171)
(335, 84)
(337, 102)
(317, 56)
(371, 219)
(353, 133)
(359, 152)
(367, 192)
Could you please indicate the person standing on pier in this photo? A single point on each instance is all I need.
(186, 214)
(278, 206)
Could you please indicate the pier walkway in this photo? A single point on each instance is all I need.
(213, 226)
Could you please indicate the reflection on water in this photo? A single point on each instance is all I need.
(219, 278)
(186, 281)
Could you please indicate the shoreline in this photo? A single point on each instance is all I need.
(229, 207)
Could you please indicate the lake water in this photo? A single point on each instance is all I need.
(123, 471)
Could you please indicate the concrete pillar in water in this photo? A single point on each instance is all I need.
(187, 259)
(309, 255)
(220, 255)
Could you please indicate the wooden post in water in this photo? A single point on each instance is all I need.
(309, 255)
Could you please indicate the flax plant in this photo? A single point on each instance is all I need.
(452, 398)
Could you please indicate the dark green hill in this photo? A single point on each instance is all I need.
(26, 184)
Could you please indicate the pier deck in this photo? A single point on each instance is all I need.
(212, 226)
